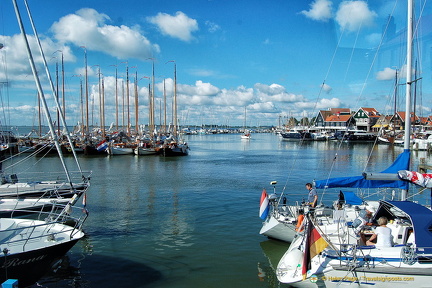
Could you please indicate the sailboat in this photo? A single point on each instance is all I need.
(246, 133)
(31, 245)
(173, 145)
(405, 261)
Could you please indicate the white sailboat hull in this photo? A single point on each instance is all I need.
(144, 151)
(278, 229)
(120, 151)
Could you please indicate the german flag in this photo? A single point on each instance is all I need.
(315, 244)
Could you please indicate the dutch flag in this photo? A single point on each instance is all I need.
(264, 205)
(102, 146)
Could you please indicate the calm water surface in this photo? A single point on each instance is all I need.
(193, 221)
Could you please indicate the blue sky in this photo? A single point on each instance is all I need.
(271, 57)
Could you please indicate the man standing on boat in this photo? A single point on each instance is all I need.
(313, 196)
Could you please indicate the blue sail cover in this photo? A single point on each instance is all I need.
(401, 163)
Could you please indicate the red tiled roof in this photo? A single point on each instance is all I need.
(336, 118)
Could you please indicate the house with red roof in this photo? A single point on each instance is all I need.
(366, 118)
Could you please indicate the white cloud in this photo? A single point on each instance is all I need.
(326, 88)
(320, 10)
(276, 93)
(88, 28)
(352, 15)
(386, 74)
(200, 89)
(18, 67)
(263, 107)
(272, 89)
(179, 26)
(239, 96)
(328, 103)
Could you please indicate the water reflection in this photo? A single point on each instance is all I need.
(273, 250)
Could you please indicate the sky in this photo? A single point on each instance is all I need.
(275, 59)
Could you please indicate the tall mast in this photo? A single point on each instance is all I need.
(396, 91)
(408, 83)
(127, 100)
(86, 92)
(41, 94)
(123, 104)
(82, 107)
(103, 109)
(152, 118)
(175, 98)
(51, 84)
(100, 97)
(165, 107)
(150, 107)
(136, 103)
(63, 86)
(39, 117)
(57, 97)
(116, 98)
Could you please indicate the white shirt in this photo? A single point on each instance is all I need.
(384, 236)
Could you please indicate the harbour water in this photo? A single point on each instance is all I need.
(193, 221)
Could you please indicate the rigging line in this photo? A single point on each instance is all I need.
(6, 84)
(419, 56)
(375, 57)
(368, 75)
(62, 118)
(314, 109)
(37, 82)
(25, 158)
(363, 87)
(352, 50)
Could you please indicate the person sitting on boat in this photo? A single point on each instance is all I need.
(299, 226)
(382, 234)
(312, 196)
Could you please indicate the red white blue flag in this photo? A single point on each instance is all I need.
(264, 205)
(102, 146)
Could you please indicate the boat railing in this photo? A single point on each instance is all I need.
(71, 217)
(49, 177)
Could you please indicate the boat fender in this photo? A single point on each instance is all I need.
(284, 200)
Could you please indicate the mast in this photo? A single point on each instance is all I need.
(123, 104)
(40, 91)
(103, 109)
(150, 107)
(165, 107)
(57, 96)
(39, 117)
(86, 91)
(152, 118)
(136, 103)
(127, 100)
(100, 97)
(244, 125)
(82, 107)
(52, 88)
(175, 99)
(116, 98)
(395, 95)
(63, 85)
(408, 83)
